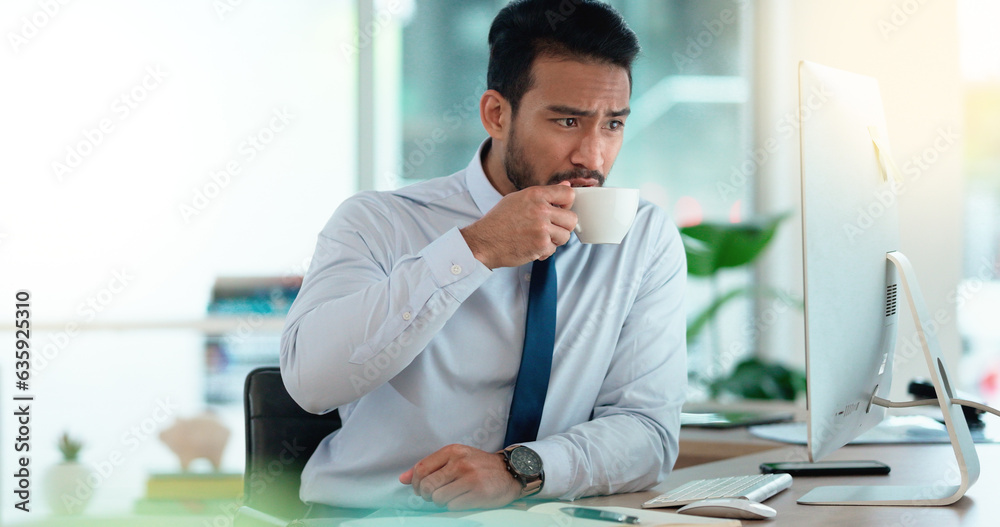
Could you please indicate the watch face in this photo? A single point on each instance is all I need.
(526, 461)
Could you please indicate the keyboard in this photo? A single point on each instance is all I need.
(757, 487)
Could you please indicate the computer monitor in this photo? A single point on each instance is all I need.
(854, 278)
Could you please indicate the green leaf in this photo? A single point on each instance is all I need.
(713, 246)
(706, 315)
(755, 379)
(703, 318)
(69, 447)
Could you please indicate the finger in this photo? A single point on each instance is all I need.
(558, 235)
(559, 195)
(426, 467)
(466, 501)
(406, 477)
(437, 480)
(551, 245)
(564, 218)
(444, 494)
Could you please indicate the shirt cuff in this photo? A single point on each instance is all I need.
(450, 260)
(558, 468)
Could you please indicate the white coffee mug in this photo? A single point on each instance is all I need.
(604, 214)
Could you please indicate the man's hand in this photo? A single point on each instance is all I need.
(462, 477)
(524, 226)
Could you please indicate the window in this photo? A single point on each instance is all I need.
(686, 140)
(150, 148)
(978, 296)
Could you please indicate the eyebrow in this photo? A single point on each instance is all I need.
(576, 112)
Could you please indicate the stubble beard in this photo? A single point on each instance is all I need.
(520, 172)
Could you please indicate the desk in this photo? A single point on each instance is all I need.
(699, 445)
(702, 445)
(911, 464)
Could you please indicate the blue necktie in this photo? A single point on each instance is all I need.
(536, 358)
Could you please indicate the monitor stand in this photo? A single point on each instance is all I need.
(958, 428)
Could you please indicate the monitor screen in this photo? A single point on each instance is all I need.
(855, 277)
(849, 224)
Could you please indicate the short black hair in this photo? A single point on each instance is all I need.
(577, 29)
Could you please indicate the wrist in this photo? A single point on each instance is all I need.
(477, 245)
(525, 467)
(514, 486)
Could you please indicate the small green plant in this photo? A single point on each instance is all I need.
(755, 378)
(70, 448)
(711, 248)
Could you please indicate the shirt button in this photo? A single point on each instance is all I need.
(407, 316)
(456, 269)
(527, 277)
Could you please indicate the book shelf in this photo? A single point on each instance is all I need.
(256, 309)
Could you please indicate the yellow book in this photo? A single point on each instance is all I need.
(194, 486)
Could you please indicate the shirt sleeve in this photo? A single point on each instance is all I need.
(364, 311)
(631, 442)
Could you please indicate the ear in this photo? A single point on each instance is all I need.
(494, 111)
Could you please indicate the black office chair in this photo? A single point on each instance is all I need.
(280, 438)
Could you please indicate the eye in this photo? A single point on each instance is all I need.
(616, 125)
(567, 121)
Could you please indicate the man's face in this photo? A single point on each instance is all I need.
(569, 125)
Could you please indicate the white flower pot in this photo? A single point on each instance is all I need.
(67, 489)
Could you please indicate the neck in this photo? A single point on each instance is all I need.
(492, 161)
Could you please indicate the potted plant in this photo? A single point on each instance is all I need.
(711, 248)
(64, 480)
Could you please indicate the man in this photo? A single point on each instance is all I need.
(412, 317)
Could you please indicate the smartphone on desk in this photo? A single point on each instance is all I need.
(826, 468)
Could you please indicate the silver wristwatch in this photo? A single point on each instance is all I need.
(526, 466)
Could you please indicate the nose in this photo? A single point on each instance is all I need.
(589, 153)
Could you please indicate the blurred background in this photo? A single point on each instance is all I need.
(165, 168)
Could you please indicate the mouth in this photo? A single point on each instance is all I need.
(583, 182)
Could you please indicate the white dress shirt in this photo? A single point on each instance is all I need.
(418, 344)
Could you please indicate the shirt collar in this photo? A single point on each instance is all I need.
(482, 191)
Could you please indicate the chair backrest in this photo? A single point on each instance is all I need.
(280, 437)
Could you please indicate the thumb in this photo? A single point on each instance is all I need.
(406, 477)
